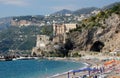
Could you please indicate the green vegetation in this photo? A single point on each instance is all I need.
(29, 18)
(47, 30)
(74, 54)
(115, 9)
(20, 38)
(95, 21)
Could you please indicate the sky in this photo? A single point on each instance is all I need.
(45, 7)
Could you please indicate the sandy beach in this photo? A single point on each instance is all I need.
(96, 62)
(74, 75)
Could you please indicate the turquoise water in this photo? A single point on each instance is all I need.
(35, 68)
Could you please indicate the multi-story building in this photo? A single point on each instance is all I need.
(60, 30)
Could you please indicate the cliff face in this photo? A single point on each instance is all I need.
(27, 20)
(98, 38)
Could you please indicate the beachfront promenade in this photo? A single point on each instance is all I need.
(107, 67)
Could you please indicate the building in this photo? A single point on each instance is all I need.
(60, 30)
(70, 27)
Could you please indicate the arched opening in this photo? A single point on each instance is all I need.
(97, 46)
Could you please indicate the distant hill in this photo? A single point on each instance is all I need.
(85, 10)
(62, 12)
(41, 20)
(5, 22)
(110, 6)
(29, 17)
(27, 20)
(77, 12)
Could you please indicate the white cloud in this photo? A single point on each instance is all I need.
(14, 2)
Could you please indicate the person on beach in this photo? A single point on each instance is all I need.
(68, 75)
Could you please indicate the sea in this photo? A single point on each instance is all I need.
(41, 68)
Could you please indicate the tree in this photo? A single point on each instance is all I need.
(46, 30)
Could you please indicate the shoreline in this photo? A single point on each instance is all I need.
(88, 63)
(64, 74)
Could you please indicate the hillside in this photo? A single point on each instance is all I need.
(5, 22)
(21, 38)
(62, 16)
(85, 10)
(27, 20)
(110, 6)
(62, 12)
(99, 30)
(98, 33)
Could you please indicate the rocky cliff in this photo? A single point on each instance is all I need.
(104, 38)
(100, 33)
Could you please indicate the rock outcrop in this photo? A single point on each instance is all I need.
(105, 39)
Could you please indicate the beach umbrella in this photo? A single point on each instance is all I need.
(79, 70)
(85, 69)
(109, 62)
